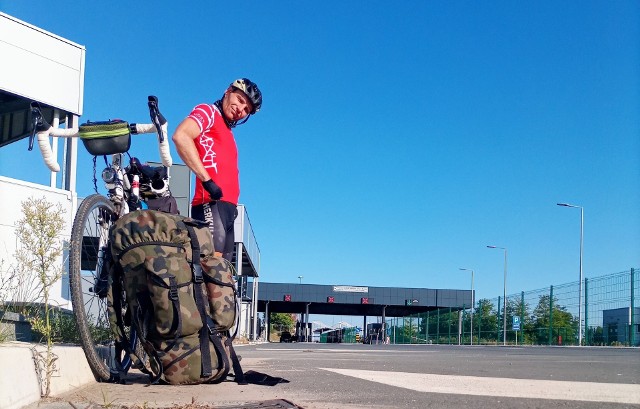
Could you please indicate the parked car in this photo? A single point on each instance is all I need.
(285, 336)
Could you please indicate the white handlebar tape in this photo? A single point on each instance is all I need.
(47, 153)
(45, 145)
(163, 147)
(165, 155)
(52, 164)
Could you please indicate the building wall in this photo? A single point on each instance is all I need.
(616, 325)
(13, 192)
(244, 329)
(28, 52)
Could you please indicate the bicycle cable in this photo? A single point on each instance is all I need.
(95, 181)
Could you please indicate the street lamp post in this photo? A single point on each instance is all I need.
(504, 298)
(473, 303)
(300, 278)
(580, 283)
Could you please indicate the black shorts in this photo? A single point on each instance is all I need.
(221, 217)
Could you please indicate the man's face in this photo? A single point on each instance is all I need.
(236, 105)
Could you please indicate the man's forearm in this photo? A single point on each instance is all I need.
(189, 153)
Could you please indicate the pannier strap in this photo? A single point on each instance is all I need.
(237, 369)
(216, 338)
(208, 325)
(213, 280)
(196, 269)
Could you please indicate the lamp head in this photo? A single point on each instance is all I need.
(569, 205)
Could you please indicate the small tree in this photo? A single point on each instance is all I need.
(563, 321)
(407, 331)
(281, 321)
(6, 280)
(39, 255)
(486, 317)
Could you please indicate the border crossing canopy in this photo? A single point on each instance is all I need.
(357, 300)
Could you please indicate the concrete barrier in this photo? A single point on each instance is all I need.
(20, 382)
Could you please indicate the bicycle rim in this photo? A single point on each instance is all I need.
(89, 238)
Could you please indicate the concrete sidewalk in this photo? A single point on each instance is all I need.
(21, 383)
(20, 379)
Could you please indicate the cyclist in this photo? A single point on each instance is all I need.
(205, 142)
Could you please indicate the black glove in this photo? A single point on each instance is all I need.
(214, 190)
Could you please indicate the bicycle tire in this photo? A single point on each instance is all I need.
(93, 218)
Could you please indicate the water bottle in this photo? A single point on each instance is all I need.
(135, 187)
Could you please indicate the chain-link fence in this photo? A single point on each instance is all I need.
(609, 315)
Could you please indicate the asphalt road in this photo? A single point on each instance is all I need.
(399, 376)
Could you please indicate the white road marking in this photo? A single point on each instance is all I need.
(505, 387)
(343, 351)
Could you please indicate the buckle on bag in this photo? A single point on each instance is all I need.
(173, 289)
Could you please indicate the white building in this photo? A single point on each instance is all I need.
(41, 67)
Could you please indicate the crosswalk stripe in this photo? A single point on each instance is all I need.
(503, 387)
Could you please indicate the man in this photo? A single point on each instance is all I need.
(207, 146)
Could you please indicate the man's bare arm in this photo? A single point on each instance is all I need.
(183, 138)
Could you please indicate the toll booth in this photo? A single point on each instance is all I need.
(304, 331)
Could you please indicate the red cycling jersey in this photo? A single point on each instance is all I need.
(218, 153)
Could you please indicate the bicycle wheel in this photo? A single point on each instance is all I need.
(88, 282)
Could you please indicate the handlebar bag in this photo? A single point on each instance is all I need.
(106, 137)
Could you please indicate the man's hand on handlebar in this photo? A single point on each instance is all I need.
(214, 190)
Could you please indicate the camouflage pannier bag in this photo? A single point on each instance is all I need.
(180, 298)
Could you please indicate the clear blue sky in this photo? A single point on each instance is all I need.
(396, 141)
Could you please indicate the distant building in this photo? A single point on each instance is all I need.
(616, 324)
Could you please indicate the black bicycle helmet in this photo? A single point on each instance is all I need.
(251, 91)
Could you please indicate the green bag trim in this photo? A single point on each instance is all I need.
(103, 130)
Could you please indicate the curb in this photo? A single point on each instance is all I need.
(20, 381)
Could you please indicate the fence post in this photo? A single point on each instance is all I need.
(479, 318)
(438, 328)
(550, 316)
(404, 329)
(449, 322)
(522, 310)
(395, 325)
(426, 330)
(632, 332)
(411, 329)
(586, 311)
(462, 322)
(499, 321)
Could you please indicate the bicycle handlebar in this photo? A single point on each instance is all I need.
(43, 130)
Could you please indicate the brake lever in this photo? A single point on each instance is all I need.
(38, 123)
(35, 118)
(156, 117)
(135, 167)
